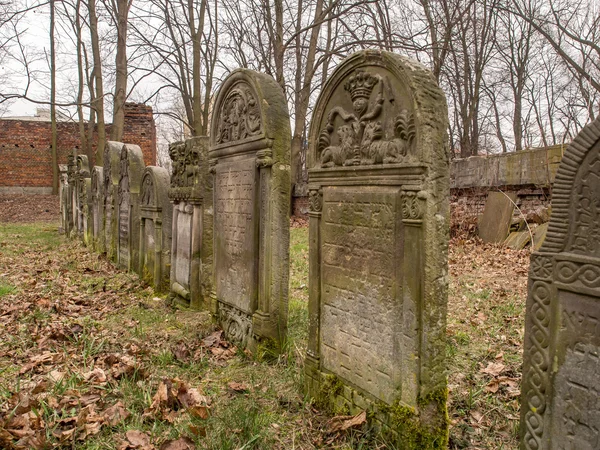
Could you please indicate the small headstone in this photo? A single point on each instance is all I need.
(497, 216)
(85, 212)
(156, 214)
(539, 235)
(517, 240)
(112, 157)
(70, 212)
(63, 196)
(82, 173)
(378, 240)
(560, 403)
(192, 230)
(97, 207)
(250, 157)
(128, 219)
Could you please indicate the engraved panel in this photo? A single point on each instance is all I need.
(184, 246)
(149, 246)
(236, 239)
(360, 311)
(124, 231)
(576, 402)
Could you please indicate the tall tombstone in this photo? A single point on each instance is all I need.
(111, 170)
(560, 403)
(378, 241)
(71, 213)
(192, 225)
(82, 173)
(63, 195)
(250, 158)
(156, 214)
(85, 210)
(131, 168)
(97, 212)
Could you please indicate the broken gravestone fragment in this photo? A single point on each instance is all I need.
(560, 403)
(250, 159)
(378, 240)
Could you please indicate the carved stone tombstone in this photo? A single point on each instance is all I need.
(192, 225)
(156, 213)
(82, 173)
(71, 213)
(112, 158)
(250, 159)
(97, 207)
(560, 404)
(63, 193)
(131, 168)
(85, 210)
(378, 240)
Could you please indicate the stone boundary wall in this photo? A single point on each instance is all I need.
(26, 160)
(529, 174)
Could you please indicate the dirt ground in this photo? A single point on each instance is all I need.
(29, 208)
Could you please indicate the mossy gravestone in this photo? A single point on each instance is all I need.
(156, 214)
(560, 404)
(250, 157)
(128, 218)
(97, 207)
(112, 157)
(82, 177)
(378, 238)
(192, 224)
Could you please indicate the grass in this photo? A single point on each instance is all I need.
(76, 306)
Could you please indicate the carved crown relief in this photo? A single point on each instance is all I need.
(362, 136)
(239, 117)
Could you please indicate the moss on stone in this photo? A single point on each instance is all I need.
(330, 388)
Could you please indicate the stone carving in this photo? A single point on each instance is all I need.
(156, 214)
(191, 277)
(131, 167)
(97, 212)
(239, 116)
(82, 173)
(379, 223)
(250, 163)
(560, 397)
(111, 172)
(361, 136)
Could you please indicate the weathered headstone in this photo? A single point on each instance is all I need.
(560, 404)
(192, 233)
(85, 210)
(156, 213)
(63, 195)
(98, 208)
(497, 215)
(128, 207)
(378, 241)
(250, 159)
(71, 213)
(112, 158)
(81, 175)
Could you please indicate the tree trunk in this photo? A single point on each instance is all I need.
(122, 13)
(98, 103)
(53, 103)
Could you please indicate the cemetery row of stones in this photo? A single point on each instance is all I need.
(215, 235)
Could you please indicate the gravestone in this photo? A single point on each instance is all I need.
(97, 208)
(156, 214)
(85, 210)
(494, 224)
(250, 160)
(112, 158)
(560, 403)
(378, 240)
(82, 173)
(131, 168)
(63, 193)
(192, 225)
(71, 212)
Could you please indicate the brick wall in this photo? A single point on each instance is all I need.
(26, 159)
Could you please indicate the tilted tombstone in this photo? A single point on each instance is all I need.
(97, 207)
(378, 242)
(250, 158)
(560, 403)
(156, 213)
(81, 175)
(192, 224)
(128, 207)
(111, 170)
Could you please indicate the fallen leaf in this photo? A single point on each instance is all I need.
(341, 423)
(183, 443)
(493, 368)
(238, 387)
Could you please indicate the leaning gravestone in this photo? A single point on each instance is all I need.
(128, 207)
(192, 233)
(97, 207)
(250, 159)
(560, 404)
(82, 173)
(112, 158)
(155, 227)
(378, 241)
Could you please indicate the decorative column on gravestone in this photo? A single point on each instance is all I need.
(156, 213)
(111, 171)
(192, 225)
(128, 207)
(82, 174)
(97, 208)
(378, 239)
(250, 158)
(560, 398)
(63, 197)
